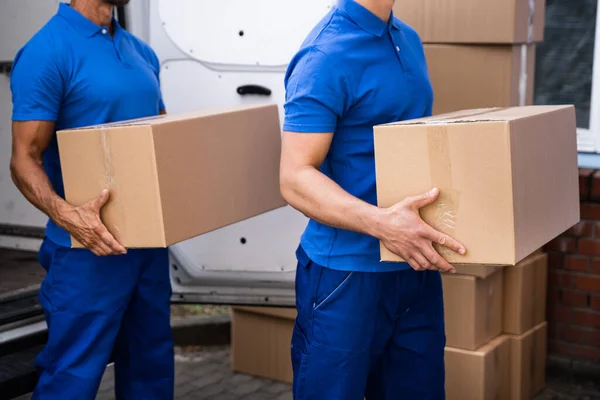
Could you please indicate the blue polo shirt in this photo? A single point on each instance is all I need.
(74, 73)
(353, 72)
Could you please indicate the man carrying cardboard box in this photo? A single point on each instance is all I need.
(364, 328)
(83, 69)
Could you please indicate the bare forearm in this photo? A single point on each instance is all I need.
(31, 179)
(321, 199)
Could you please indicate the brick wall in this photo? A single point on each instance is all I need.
(574, 279)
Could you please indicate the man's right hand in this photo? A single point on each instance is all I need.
(403, 232)
(84, 224)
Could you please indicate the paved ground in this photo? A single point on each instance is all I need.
(207, 375)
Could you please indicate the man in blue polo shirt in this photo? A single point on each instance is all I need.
(82, 69)
(364, 327)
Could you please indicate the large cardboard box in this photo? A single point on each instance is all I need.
(483, 374)
(470, 76)
(525, 288)
(528, 362)
(260, 342)
(479, 270)
(473, 309)
(498, 171)
(474, 21)
(177, 176)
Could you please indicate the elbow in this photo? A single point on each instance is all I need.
(287, 185)
(14, 170)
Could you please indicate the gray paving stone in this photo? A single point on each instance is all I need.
(208, 380)
(277, 387)
(244, 388)
(285, 396)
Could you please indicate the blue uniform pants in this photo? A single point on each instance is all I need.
(374, 335)
(94, 305)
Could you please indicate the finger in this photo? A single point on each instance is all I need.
(414, 264)
(114, 246)
(424, 199)
(424, 262)
(99, 249)
(436, 259)
(101, 200)
(445, 240)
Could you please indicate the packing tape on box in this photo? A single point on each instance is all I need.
(110, 182)
(523, 78)
(443, 211)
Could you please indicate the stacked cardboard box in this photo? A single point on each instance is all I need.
(496, 331)
(480, 53)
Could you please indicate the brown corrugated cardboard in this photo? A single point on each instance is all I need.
(260, 341)
(525, 294)
(177, 176)
(528, 362)
(479, 375)
(481, 271)
(497, 171)
(473, 309)
(474, 21)
(467, 76)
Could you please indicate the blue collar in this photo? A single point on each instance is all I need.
(80, 23)
(364, 18)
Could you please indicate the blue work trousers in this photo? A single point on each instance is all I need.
(374, 335)
(97, 305)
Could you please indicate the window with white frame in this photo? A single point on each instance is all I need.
(568, 65)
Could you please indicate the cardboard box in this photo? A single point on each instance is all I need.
(479, 271)
(528, 363)
(260, 342)
(498, 171)
(474, 21)
(472, 309)
(525, 288)
(468, 76)
(483, 374)
(177, 176)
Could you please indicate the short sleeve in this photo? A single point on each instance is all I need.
(36, 84)
(317, 93)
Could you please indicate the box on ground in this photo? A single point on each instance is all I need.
(479, 270)
(472, 309)
(525, 288)
(528, 362)
(177, 176)
(470, 76)
(497, 171)
(474, 21)
(483, 374)
(260, 341)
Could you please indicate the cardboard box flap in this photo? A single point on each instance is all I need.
(168, 118)
(482, 115)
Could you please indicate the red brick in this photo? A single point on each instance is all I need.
(588, 283)
(590, 247)
(585, 183)
(595, 302)
(572, 334)
(583, 229)
(561, 348)
(595, 190)
(590, 211)
(595, 266)
(565, 245)
(586, 318)
(591, 353)
(574, 299)
(560, 314)
(577, 263)
(553, 295)
(567, 280)
(593, 337)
